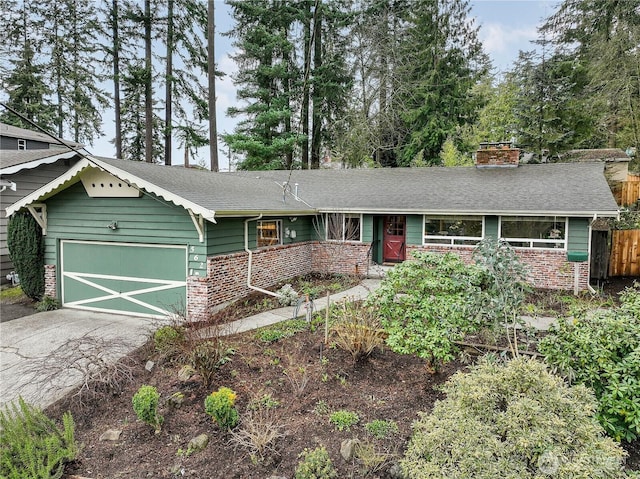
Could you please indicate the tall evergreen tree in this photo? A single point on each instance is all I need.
(442, 61)
(23, 68)
(604, 36)
(70, 32)
(265, 49)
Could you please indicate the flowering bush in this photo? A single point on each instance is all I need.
(220, 406)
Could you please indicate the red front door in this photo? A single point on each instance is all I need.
(394, 239)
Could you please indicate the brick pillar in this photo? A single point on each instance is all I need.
(198, 290)
(50, 281)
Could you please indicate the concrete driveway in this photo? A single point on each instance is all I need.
(39, 353)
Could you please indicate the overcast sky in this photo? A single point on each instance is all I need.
(506, 27)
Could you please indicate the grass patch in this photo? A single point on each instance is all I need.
(12, 294)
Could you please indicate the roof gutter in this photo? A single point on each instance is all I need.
(249, 262)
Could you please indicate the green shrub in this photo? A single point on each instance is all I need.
(428, 303)
(48, 304)
(32, 445)
(145, 405)
(169, 341)
(512, 420)
(602, 351)
(357, 329)
(285, 329)
(381, 429)
(26, 248)
(208, 356)
(220, 406)
(343, 420)
(315, 464)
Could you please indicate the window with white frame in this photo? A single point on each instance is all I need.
(453, 229)
(343, 227)
(22, 144)
(269, 233)
(534, 231)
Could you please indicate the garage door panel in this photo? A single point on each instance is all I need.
(135, 279)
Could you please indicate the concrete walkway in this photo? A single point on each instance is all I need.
(282, 314)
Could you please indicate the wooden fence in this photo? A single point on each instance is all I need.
(629, 191)
(625, 253)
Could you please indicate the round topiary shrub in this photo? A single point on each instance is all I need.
(26, 249)
(513, 420)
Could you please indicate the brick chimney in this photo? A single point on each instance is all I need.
(497, 155)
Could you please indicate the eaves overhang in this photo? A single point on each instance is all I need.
(72, 176)
(10, 170)
(459, 212)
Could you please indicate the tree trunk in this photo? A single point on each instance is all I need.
(305, 88)
(116, 77)
(316, 127)
(211, 65)
(168, 121)
(148, 89)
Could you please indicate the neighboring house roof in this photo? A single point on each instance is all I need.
(13, 161)
(598, 154)
(548, 189)
(15, 132)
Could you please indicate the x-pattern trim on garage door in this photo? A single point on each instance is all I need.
(129, 278)
(111, 294)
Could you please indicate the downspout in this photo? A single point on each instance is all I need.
(250, 253)
(589, 287)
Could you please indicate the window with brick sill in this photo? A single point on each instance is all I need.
(534, 231)
(269, 233)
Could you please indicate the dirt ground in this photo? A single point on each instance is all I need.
(295, 382)
(301, 383)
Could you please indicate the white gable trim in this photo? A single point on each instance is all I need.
(73, 175)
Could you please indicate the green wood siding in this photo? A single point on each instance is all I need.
(71, 214)
(578, 235)
(227, 234)
(367, 228)
(491, 227)
(414, 229)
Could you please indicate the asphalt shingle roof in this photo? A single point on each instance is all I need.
(578, 188)
(561, 189)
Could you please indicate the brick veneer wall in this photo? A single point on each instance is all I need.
(334, 257)
(227, 274)
(50, 281)
(548, 269)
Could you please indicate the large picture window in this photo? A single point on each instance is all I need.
(269, 233)
(343, 227)
(453, 230)
(534, 231)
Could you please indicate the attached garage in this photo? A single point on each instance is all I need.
(140, 279)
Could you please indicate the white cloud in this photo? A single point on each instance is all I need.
(502, 42)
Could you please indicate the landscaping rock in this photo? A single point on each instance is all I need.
(149, 366)
(198, 443)
(111, 435)
(186, 373)
(175, 400)
(348, 448)
(395, 471)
